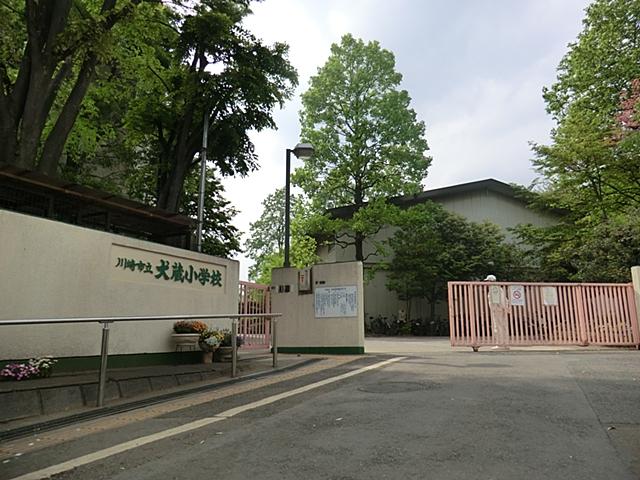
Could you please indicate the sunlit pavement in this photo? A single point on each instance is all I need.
(434, 413)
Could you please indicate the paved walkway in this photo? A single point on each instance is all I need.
(539, 415)
(31, 402)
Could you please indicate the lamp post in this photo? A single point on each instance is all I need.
(203, 172)
(301, 150)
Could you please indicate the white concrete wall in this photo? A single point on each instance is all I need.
(299, 326)
(52, 270)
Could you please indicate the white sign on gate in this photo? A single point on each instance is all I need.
(516, 294)
(549, 296)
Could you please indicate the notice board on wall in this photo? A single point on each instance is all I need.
(336, 301)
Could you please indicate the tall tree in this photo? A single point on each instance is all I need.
(592, 167)
(368, 141)
(220, 70)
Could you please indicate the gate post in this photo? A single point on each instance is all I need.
(582, 323)
(635, 278)
(471, 296)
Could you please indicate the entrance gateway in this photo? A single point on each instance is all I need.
(544, 314)
(255, 332)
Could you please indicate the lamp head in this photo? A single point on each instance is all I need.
(303, 150)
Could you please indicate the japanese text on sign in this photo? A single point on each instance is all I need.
(172, 271)
(336, 302)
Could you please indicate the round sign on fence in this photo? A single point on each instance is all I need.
(516, 294)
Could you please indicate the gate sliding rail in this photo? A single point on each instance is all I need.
(544, 314)
(107, 321)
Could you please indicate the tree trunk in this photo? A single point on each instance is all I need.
(181, 160)
(171, 192)
(57, 138)
(33, 116)
(8, 135)
(37, 84)
(358, 197)
(358, 242)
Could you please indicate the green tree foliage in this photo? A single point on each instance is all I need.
(219, 236)
(591, 170)
(265, 245)
(108, 147)
(127, 85)
(219, 69)
(433, 246)
(368, 141)
(49, 52)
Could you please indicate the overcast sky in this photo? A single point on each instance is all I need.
(473, 68)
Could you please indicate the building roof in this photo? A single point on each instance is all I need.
(34, 193)
(405, 201)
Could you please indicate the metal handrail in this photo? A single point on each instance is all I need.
(28, 321)
(106, 321)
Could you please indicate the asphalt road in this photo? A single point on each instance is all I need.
(445, 415)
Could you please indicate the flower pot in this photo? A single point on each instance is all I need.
(185, 341)
(205, 347)
(223, 354)
(207, 357)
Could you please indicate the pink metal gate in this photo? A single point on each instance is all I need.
(255, 332)
(543, 314)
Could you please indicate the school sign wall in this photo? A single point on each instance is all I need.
(78, 272)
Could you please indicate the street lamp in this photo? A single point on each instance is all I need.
(203, 172)
(302, 151)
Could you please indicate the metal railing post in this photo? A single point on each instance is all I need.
(234, 347)
(104, 353)
(274, 341)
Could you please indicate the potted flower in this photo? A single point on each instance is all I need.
(210, 340)
(186, 333)
(224, 352)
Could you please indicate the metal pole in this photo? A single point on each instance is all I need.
(274, 341)
(104, 352)
(287, 208)
(203, 171)
(38, 321)
(234, 347)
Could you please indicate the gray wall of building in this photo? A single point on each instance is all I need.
(476, 206)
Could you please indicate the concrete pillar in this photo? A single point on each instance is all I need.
(635, 278)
